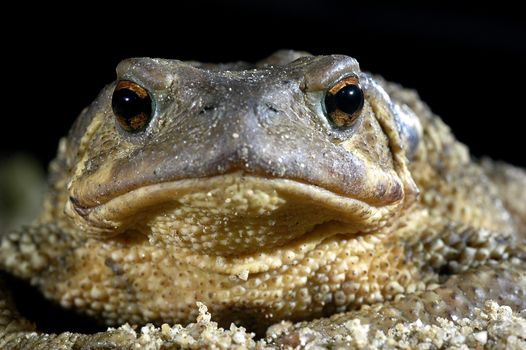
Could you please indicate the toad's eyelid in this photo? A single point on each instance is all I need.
(320, 78)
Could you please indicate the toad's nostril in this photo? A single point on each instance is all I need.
(271, 107)
(207, 109)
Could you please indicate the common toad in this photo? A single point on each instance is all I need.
(296, 188)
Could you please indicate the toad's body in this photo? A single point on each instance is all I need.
(244, 188)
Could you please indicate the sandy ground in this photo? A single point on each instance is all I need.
(494, 327)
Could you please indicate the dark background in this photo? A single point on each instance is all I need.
(468, 63)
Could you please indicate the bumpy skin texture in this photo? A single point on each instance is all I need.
(241, 195)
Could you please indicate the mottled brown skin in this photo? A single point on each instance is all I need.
(240, 194)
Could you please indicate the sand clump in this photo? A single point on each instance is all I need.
(493, 327)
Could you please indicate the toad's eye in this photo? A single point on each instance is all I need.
(131, 105)
(344, 102)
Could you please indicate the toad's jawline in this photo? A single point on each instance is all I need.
(107, 216)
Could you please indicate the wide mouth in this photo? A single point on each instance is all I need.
(113, 215)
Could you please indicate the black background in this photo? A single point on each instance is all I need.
(467, 63)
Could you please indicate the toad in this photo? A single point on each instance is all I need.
(295, 188)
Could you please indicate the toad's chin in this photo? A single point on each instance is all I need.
(228, 214)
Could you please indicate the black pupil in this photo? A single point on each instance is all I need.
(127, 105)
(349, 99)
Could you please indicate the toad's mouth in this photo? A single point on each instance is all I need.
(228, 213)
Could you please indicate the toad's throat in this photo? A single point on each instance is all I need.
(236, 211)
(265, 259)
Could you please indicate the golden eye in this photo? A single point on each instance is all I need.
(344, 102)
(132, 106)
